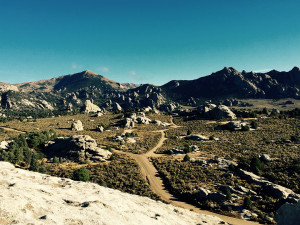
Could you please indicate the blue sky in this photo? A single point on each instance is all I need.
(146, 41)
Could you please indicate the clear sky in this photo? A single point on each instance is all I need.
(146, 41)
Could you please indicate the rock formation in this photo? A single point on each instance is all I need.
(274, 190)
(77, 148)
(218, 112)
(90, 107)
(196, 137)
(134, 118)
(100, 128)
(77, 125)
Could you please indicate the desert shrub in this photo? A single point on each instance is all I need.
(112, 157)
(187, 149)
(296, 165)
(245, 128)
(81, 174)
(56, 160)
(43, 169)
(108, 148)
(256, 165)
(189, 132)
(186, 158)
(254, 124)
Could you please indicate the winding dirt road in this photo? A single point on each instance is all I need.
(14, 130)
(151, 175)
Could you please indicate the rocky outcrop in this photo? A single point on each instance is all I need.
(222, 164)
(47, 105)
(235, 125)
(288, 214)
(77, 125)
(90, 107)
(129, 123)
(123, 139)
(265, 158)
(4, 87)
(274, 190)
(134, 118)
(33, 198)
(100, 128)
(160, 123)
(196, 137)
(77, 148)
(219, 112)
(205, 194)
(4, 144)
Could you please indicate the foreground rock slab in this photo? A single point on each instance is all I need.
(34, 198)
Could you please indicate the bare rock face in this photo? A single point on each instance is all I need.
(77, 125)
(33, 198)
(77, 148)
(90, 107)
(288, 214)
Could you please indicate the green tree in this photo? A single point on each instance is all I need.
(247, 203)
(81, 174)
(34, 165)
(228, 194)
(187, 149)
(56, 160)
(189, 132)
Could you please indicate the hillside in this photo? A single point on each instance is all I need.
(29, 197)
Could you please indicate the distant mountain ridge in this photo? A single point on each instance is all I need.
(73, 82)
(229, 82)
(69, 93)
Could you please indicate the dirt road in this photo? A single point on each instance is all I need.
(151, 175)
(14, 130)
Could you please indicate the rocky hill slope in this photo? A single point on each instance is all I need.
(33, 198)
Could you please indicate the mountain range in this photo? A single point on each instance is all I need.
(70, 92)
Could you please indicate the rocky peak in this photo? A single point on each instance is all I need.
(295, 70)
(88, 72)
